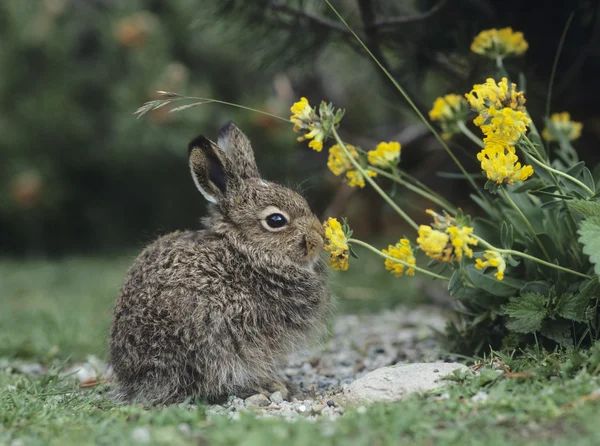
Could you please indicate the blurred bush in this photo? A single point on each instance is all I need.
(80, 173)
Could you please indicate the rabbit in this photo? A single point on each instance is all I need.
(209, 313)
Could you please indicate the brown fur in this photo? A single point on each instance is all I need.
(208, 313)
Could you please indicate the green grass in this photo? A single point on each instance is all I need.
(56, 312)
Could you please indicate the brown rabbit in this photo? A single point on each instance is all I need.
(208, 313)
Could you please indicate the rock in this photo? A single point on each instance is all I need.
(276, 397)
(258, 400)
(141, 435)
(317, 408)
(393, 383)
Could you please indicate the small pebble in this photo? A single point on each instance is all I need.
(276, 397)
(258, 400)
(141, 435)
(479, 396)
(331, 403)
(361, 409)
(317, 408)
(339, 409)
(301, 408)
(11, 388)
(184, 429)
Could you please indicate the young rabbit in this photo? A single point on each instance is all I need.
(208, 313)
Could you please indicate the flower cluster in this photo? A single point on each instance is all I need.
(339, 164)
(499, 95)
(446, 240)
(314, 126)
(386, 154)
(403, 252)
(493, 259)
(499, 43)
(500, 162)
(338, 248)
(448, 111)
(560, 125)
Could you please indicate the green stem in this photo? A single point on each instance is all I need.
(411, 103)
(555, 171)
(440, 202)
(393, 259)
(469, 134)
(555, 64)
(532, 258)
(526, 221)
(375, 186)
(571, 224)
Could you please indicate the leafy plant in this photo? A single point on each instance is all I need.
(527, 269)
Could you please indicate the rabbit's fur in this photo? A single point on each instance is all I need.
(208, 313)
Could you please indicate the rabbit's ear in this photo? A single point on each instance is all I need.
(211, 168)
(238, 148)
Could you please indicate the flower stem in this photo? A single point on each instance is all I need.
(469, 134)
(393, 259)
(555, 171)
(532, 258)
(411, 103)
(555, 64)
(527, 223)
(417, 190)
(369, 180)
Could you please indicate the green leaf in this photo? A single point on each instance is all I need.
(588, 179)
(589, 231)
(526, 313)
(506, 235)
(576, 169)
(558, 331)
(587, 208)
(572, 306)
(488, 282)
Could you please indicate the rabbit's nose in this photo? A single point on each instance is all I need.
(318, 228)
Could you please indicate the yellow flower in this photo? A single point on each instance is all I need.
(436, 244)
(317, 143)
(499, 43)
(385, 154)
(493, 259)
(449, 110)
(307, 121)
(500, 162)
(561, 124)
(460, 239)
(401, 251)
(356, 178)
(302, 111)
(505, 123)
(339, 164)
(500, 95)
(447, 107)
(337, 247)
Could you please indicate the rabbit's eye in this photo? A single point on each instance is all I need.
(276, 221)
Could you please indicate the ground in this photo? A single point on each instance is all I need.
(55, 314)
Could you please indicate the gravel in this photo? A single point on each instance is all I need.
(358, 344)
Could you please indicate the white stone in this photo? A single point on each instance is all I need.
(141, 435)
(277, 397)
(393, 383)
(479, 396)
(258, 400)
